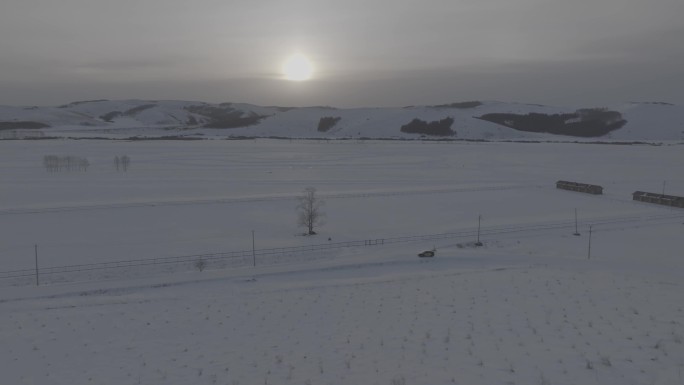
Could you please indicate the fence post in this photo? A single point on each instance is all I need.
(36, 253)
(253, 250)
(589, 251)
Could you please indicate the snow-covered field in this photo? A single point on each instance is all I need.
(528, 307)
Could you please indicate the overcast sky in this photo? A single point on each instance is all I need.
(365, 52)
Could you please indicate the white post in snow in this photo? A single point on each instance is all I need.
(576, 232)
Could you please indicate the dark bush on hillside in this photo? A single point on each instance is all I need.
(462, 105)
(136, 110)
(224, 117)
(285, 109)
(435, 128)
(327, 122)
(109, 117)
(73, 104)
(583, 123)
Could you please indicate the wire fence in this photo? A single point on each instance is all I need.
(142, 267)
(271, 256)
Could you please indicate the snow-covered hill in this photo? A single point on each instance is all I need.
(148, 118)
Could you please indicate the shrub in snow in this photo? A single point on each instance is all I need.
(200, 264)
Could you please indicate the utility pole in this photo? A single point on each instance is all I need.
(576, 232)
(253, 250)
(36, 253)
(589, 252)
(664, 186)
(479, 219)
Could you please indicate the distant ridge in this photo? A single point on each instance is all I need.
(466, 120)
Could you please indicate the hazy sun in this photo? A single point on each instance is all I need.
(298, 68)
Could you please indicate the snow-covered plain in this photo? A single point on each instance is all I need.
(528, 307)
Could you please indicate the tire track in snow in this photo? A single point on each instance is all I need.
(249, 199)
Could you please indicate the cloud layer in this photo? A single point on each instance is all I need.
(378, 52)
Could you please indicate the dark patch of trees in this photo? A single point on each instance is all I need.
(588, 122)
(325, 108)
(122, 163)
(55, 163)
(149, 138)
(22, 125)
(139, 109)
(462, 105)
(657, 103)
(225, 117)
(109, 117)
(435, 128)
(327, 122)
(72, 104)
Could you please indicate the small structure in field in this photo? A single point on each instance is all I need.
(661, 199)
(579, 187)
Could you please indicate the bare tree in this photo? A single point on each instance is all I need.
(83, 164)
(309, 210)
(122, 163)
(54, 163)
(125, 161)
